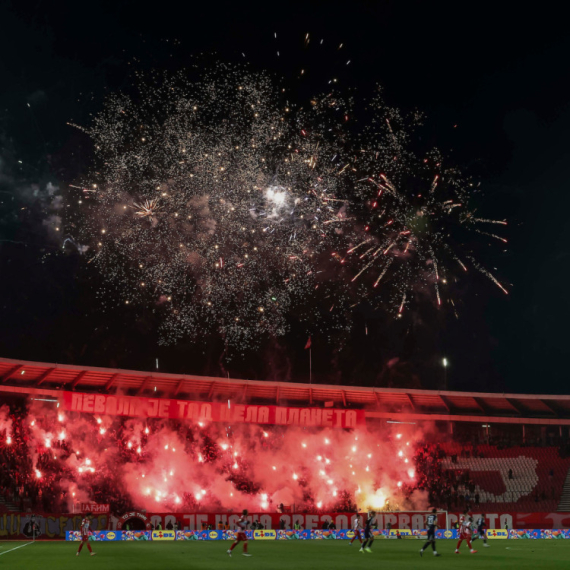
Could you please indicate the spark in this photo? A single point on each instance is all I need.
(147, 209)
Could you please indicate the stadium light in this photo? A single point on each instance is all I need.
(444, 362)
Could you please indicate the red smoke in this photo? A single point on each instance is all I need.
(172, 465)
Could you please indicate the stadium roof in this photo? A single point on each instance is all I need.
(37, 379)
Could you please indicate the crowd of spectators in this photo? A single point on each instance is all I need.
(17, 484)
(448, 489)
(33, 477)
(454, 489)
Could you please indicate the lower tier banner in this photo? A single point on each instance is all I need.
(313, 521)
(397, 534)
(21, 526)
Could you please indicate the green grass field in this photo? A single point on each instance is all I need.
(275, 555)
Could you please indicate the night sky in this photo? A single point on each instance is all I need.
(501, 77)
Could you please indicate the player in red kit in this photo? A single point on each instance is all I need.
(465, 531)
(356, 529)
(85, 534)
(241, 536)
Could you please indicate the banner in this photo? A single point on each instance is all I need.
(163, 535)
(264, 534)
(96, 536)
(210, 411)
(95, 508)
(109, 535)
(396, 532)
(20, 526)
(396, 520)
(556, 534)
(198, 535)
(138, 535)
(499, 533)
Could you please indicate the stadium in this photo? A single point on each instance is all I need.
(302, 459)
(283, 286)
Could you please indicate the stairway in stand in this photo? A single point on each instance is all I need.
(564, 505)
(6, 506)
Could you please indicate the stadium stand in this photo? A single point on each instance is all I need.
(535, 483)
(503, 472)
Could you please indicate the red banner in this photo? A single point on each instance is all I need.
(400, 520)
(210, 411)
(95, 508)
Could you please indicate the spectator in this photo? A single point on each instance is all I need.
(282, 523)
(326, 525)
(511, 474)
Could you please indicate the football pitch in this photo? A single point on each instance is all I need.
(275, 555)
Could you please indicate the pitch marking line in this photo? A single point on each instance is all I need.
(12, 549)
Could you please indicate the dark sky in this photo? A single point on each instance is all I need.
(500, 75)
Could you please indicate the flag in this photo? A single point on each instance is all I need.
(308, 345)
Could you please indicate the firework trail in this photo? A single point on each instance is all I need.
(414, 215)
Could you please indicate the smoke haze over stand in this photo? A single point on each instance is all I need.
(165, 466)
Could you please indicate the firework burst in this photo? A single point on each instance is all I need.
(148, 209)
(219, 204)
(415, 224)
(213, 200)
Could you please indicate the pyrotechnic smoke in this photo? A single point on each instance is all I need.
(168, 466)
(6, 424)
(30, 203)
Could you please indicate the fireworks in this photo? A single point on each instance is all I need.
(223, 206)
(416, 225)
(148, 209)
(211, 202)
